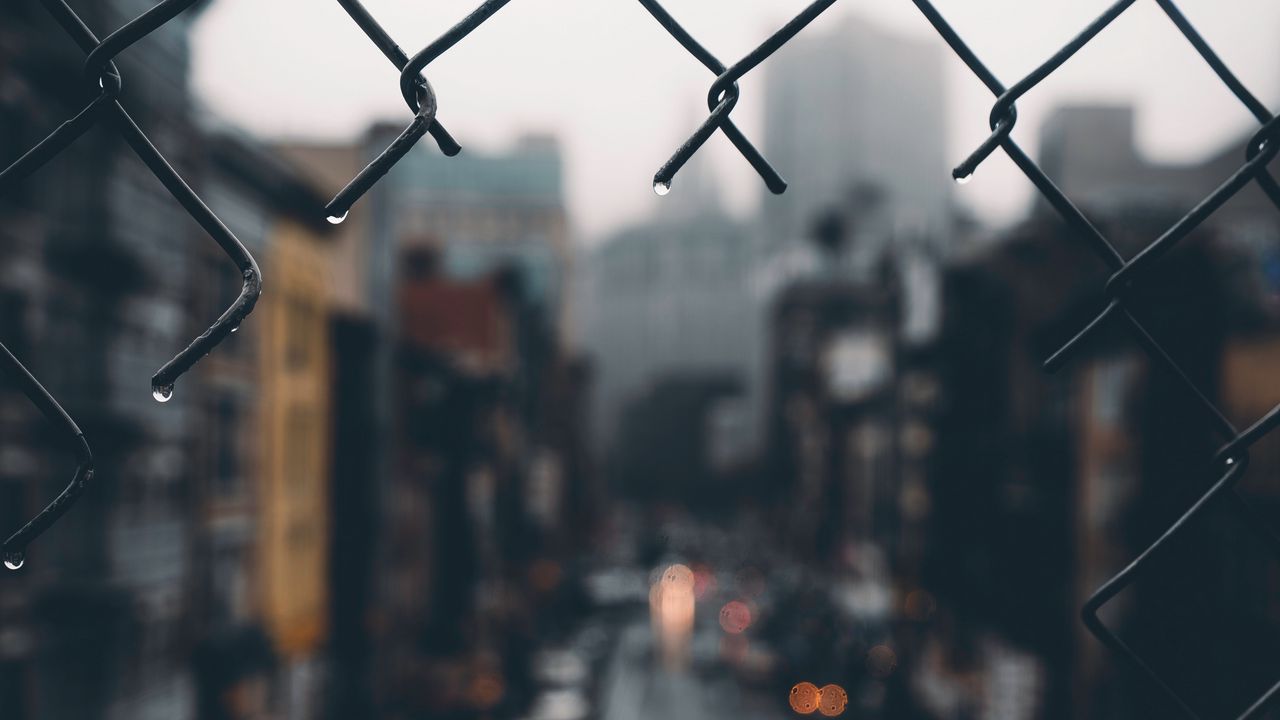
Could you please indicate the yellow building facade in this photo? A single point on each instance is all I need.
(295, 406)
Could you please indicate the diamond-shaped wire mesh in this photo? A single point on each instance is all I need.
(418, 95)
(1126, 274)
(1232, 459)
(103, 79)
(102, 76)
(723, 95)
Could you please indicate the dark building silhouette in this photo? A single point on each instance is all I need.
(100, 259)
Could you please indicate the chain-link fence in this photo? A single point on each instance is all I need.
(723, 95)
(104, 79)
(1126, 275)
(417, 94)
(104, 83)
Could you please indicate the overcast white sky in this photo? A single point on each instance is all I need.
(621, 95)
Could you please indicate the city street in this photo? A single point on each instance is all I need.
(721, 626)
(636, 687)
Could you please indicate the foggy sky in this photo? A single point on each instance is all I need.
(621, 95)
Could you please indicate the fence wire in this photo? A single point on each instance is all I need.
(1126, 274)
(421, 98)
(723, 95)
(103, 80)
(418, 95)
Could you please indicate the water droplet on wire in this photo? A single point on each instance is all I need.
(14, 560)
(964, 179)
(337, 219)
(661, 187)
(162, 393)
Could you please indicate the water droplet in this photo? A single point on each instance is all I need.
(162, 393)
(964, 179)
(14, 560)
(1231, 461)
(337, 219)
(235, 327)
(661, 187)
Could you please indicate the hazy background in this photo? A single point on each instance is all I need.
(621, 94)
(519, 440)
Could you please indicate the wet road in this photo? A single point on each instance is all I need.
(636, 686)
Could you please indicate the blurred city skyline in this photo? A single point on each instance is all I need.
(469, 460)
(622, 112)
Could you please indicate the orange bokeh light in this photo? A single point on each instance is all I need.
(832, 700)
(804, 698)
(671, 608)
(881, 661)
(486, 690)
(677, 578)
(735, 617)
(920, 605)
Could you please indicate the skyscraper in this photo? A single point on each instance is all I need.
(857, 111)
(669, 298)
